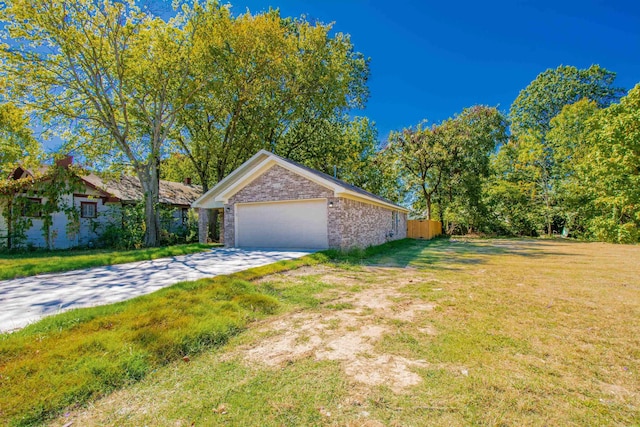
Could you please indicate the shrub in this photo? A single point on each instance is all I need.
(125, 228)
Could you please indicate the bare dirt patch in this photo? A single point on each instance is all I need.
(349, 335)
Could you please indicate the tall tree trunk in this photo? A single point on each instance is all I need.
(149, 179)
(10, 223)
(548, 215)
(427, 199)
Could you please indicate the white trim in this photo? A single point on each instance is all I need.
(228, 179)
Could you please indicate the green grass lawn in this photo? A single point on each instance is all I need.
(14, 265)
(447, 332)
(77, 356)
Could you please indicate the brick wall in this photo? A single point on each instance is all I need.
(360, 225)
(275, 184)
(402, 227)
(350, 223)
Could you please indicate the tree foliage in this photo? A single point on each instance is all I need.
(276, 83)
(544, 98)
(446, 163)
(17, 143)
(612, 168)
(568, 139)
(106, 75)
(532, 161)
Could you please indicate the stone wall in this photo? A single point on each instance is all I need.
(228, 223)
(203, 225)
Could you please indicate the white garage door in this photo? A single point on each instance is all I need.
(291, 224)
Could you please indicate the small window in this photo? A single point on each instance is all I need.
(32, 208)
(88, 209)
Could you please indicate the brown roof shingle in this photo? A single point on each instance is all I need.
(128, 189)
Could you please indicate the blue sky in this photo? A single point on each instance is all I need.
(429, 59)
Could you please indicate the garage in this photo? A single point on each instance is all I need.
(290, 224)
(273, 202)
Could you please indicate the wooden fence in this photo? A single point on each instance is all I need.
(423, 229)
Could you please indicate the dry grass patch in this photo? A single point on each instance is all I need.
(489, 332)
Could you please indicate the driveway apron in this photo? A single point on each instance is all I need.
(28, 299)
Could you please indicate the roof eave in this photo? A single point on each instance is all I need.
(228, 180)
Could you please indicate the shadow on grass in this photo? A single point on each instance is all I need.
(441, 253)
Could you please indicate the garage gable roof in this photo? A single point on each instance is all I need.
(263, 160)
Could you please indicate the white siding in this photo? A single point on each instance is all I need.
(63, 234)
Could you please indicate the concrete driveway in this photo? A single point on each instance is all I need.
(26, 300)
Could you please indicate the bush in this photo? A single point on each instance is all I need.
(609, 230)
(125, 229)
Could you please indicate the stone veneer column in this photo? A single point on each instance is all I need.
(221, 225)
(229, 230)
(203, 225)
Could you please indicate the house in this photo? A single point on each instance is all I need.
(273, 202)
(96, 201)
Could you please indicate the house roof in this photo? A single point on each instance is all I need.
(264, 160)
(128, 189)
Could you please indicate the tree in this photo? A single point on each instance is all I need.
(568, 140)
(447, 162)
(531, 115)
(107, 76)
(551, 90)
(276, 83)
(17, 143)
(612, 168)
(422, 156)
(472, 137)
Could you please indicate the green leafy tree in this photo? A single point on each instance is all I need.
(531, 115)
(176, 167)
(568, 139)
(351, 146)
(612, 168)
(546, 96)
(277, 83)
(110, 78)
(446, 163)
(17, 143)
(471, 137)
(422, 156)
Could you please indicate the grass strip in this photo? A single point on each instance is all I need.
(14, 265)
(74, 357)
